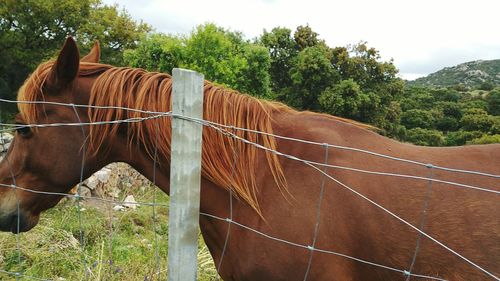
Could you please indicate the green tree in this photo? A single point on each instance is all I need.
(114, 28)
(221, 55)
(420, 136)
(343, 99)
(416, 98)
(445, 94)
(447, 124)
(476, 119)
(156, 52)
(305, 37)
(283, 50)
(32, 31)
(311, 74)
(495, 128)
(461, 137)
(486, 139)
(417, 118)
(493, 100)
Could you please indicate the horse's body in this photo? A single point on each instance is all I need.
(278, 197)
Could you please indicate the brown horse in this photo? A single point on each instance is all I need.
(292, 221)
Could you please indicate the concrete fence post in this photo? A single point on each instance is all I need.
(185, 175)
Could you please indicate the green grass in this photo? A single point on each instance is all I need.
(117, 245)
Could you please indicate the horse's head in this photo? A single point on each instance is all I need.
(46, 159)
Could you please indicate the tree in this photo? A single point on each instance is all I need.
(493, 100)
(305, 37)
(223, 56)
(311, 74)
(282, 49)
(416, 98)
(343, 99)
(31, 31)
(426, 137)
(461, 137)
(115, 29)
(156, 52)
(476, 119)
(486, 139)
(417, 118)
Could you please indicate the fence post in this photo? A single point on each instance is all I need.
(185, 175)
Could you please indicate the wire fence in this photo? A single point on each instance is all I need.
(322, 168)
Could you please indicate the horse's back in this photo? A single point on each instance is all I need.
(461, 217)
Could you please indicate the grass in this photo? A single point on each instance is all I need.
(117, 245)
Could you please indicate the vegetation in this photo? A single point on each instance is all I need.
(117, 245)
(296, 68)
(445, 116)
(32, 31)
(299, 69)
(480, 74)
(456, 106)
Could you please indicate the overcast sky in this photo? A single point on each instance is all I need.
(422, 36)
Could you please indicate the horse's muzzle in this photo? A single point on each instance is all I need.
(16, 223)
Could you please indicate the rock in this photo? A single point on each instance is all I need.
(92, 182)
(118, 208)
(103, 175)
(5, 141)
(129, 202)
(85, 192)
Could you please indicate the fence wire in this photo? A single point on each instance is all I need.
(230, 131)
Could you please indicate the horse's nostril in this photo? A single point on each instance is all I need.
(15, 223)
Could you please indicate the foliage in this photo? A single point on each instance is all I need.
(461, 137)
(476, 119)
(343, 99)
(294, 67)
(308, 74)
(417, 118)
(461, 117)
(470, 75)
(221, 55)
(115, 29)
(282, 51)
(118, 245)
(486, 139)
(427, 137)
(31, 31)
(311, 74)
(493, 100)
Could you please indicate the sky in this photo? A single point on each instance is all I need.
(421, 36)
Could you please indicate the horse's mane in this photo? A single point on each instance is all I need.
(226, 161)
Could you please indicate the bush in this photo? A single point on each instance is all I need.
(461, 137)
(417, 118)
(476, 119)
(420, 136)
(485, 139)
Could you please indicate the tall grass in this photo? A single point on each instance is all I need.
(117, 245)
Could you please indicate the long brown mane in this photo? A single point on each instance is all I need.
(139, 89)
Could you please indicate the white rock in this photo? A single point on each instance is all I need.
(118, 208)
(5, 140)
(103, 175)
(129, 202)
(92, 182)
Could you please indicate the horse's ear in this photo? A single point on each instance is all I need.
(65, 69)
(94, 55)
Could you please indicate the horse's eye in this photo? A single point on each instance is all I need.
(23, 130)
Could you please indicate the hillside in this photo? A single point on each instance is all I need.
(470, 74)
